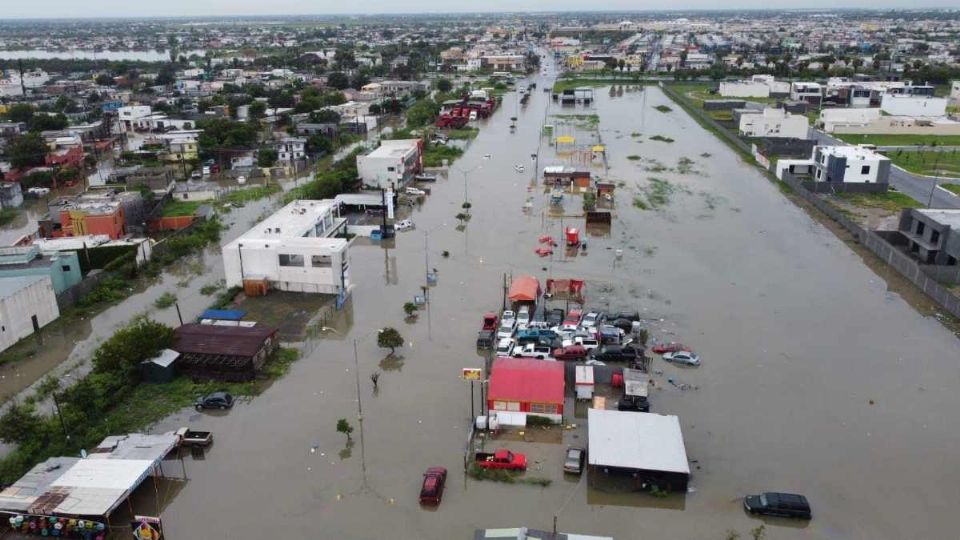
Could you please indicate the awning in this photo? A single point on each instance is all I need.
(599, 148)
(524, 289)
(565, 139)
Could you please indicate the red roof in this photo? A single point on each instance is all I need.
(526, 380)
(524, 289)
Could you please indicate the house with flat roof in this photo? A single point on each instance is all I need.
(774, 122)
(840, 169)
(63, 268)
(295, 249)
(27, 304)
(933, 235)
(392, 165)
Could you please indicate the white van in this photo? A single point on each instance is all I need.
(523, 318)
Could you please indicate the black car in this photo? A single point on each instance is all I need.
(554, 317)
(624, 324)
(617, 353)
(778, 504)
(628, 315)
(216, 400)
(633, 403)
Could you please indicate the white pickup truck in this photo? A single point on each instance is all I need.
(532, 350)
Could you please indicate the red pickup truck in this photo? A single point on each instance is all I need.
(501, 459)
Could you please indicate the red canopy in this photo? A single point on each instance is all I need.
(526, 380)
(524, 289)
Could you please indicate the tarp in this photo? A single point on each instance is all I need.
(524, 289)
(223, 314)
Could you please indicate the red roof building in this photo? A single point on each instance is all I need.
(526, 385)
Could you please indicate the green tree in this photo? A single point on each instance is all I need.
(409, 308)
(27, 150)
(266, 157)
(343, 426)
(20, 112)
(319, 144)
(359, 80)
(422, 113)
(257, 110)
(18, 423)
(389, 338)
(104, 80)
(138, 341)
(338, 80)
(444, 85)
(48, 122)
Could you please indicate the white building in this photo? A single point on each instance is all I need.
(131, 115)
(774, 122)
(841, 164)
(27, 304)
(831, 119)
(393, 164)
(810, 92)
(294, 249)
(744, 89)
(776, 87)
(905, 105)
(290, 149)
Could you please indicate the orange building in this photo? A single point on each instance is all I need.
(108, 219)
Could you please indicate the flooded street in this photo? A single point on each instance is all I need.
(817, 377)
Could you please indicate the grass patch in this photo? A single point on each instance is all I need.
(706, 155)
(899, 140)
(952, 188)
(658, 194)
(685, 165)
(638, 202)
(945, 163)
(633, 157)
(584, 121)
(463, 134)
(165, 300)
(434, 154)
(508, 477)
(177, 207)
(211, 288)
(663, 108)
(7, 215)
(636, 134)
(661, 138)
(721, 116)
(253, 193)
(893, 201)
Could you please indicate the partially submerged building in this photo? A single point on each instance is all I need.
(526, 386)
(297, 249)
(27, 304)
(392, 165)
(223, 353)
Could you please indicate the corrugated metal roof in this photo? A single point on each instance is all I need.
(224, 340)
(527, 380)
(636, 440)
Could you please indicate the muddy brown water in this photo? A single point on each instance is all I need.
(817, 376)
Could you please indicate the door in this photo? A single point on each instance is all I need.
(36, 323)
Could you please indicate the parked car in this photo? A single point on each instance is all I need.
(617, 353)
(573, 352)
(241, 180)
(431, 491)
(573, 317)
(523, 317)
(403, 225)
(673, 346)
(425, 177)
(490, 321)
(554, 317)
(507, 328)
(501, 459)
(505, 347)
(414, 191)
(591, 319)
(533, 350)
(629, 315)
(682, 357)
(633, 403)
(196, 174)
(623, 324)
(215, 400)
(38, 191)
(778, 504)
(508, 315)
(593, 362)
(574, 461)
(535, 334)
(609, 335)
(189, 437)
(485, 339)
(587, 343)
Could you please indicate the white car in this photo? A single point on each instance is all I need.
(682, 357)
(587, 343)
(593, 362)
(241, 180)
(403, 225)
(507, 328)
(523, 318)
(414, 191)
(505, 347)
(508, 315)
(38, 191)
(532, 350)
(590, 320)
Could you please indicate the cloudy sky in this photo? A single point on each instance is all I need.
(122, 8)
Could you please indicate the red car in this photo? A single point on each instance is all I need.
(662, 348)
(573, 352)
(432, 489)
(573, 317)
(490, 321)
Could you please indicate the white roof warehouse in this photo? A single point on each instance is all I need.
(645, 446)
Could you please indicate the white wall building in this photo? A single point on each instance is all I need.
(293, 250)
(850, 164)
(131, 115)
(831, 119)
(393, 164)
(904, 105)
(290, 149)
(744, 89)
(810, 92)
(774, 122)
(27, 304)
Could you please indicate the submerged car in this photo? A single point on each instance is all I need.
(573, 463)
(215, 400)
(682, 357)
(673, 346)
(788, 505)
(431, 491)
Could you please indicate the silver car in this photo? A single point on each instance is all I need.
(682, 357)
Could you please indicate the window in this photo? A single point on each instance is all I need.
(391, 169)
(934, 237)
(321, 261)
(920, 228)
(818, 173)
(513, 406)
(291, 260)
(499, 405)
(543, 408)
(865, 169)
(65, 268)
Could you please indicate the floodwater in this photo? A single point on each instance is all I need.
(817, 376)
